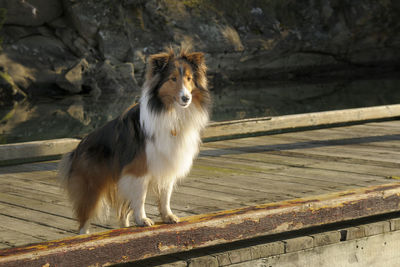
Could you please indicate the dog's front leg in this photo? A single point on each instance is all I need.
(164, 204)
(135, 189)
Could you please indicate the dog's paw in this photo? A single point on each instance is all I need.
(144, 222)
(170, 218)
(124, 223)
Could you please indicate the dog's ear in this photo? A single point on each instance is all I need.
(196, 59)
(157, 63)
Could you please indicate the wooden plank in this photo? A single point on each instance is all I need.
(23, 197)
(44, 192)
(32, 210)
(3, 245)
(311, 139)
(29, 167)
(20, 198)
(242, 165)
(392, 123)
(21, 182)
(267, 195)
(247, 126)
(11, 238)
(61, 206)
(389, 143)
(334, 176)
(284, 161)
(37, 149)
(274, 178)
(179, 199)
(335, 157)
(352, 134)
(356, 135)
(290, 161)
(355, 152)
(382, 128)
(259, 157)
(313, 148)
(38, 217)
(274, 185)
(230, 174)
(30, 228)
(358, 168)
(241, 194)
(26, 191)
(259, 188)
(213, 196)
(199, 204)
(53, 193)
(382, 148)
(25, 182)
(313, 175)
(132, 244)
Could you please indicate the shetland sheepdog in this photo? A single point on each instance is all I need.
(150, 146)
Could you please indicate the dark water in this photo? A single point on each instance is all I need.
(74, 116)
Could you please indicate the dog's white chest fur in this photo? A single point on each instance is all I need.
(173, 140)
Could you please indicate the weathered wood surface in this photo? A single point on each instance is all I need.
(227, 175)
(35, 149)
(269, 124)
(22, 152)
(132, 244)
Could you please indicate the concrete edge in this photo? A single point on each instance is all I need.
(209, 257)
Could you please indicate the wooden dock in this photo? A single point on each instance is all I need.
(228, 174)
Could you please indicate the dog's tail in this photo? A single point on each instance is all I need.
(64, 168)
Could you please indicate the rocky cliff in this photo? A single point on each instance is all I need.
(94, 46)
(87, 57)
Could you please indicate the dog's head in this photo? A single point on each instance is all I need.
(176, 81)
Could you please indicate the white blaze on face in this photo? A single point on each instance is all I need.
(185, 97)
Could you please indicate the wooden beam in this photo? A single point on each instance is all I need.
(135, 243)
(37, 149)
(268, 124)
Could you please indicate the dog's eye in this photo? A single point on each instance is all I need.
(173, 79)
(189, 78)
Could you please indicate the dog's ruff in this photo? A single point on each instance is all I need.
(151, 145)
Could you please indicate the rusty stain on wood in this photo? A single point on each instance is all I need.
(131, 244)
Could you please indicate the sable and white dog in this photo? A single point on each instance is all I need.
(151, 145)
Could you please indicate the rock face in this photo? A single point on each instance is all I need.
(32, 12)
(95, 46)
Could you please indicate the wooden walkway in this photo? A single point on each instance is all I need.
(228, 174)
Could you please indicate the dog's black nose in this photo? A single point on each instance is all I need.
(185, 99)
